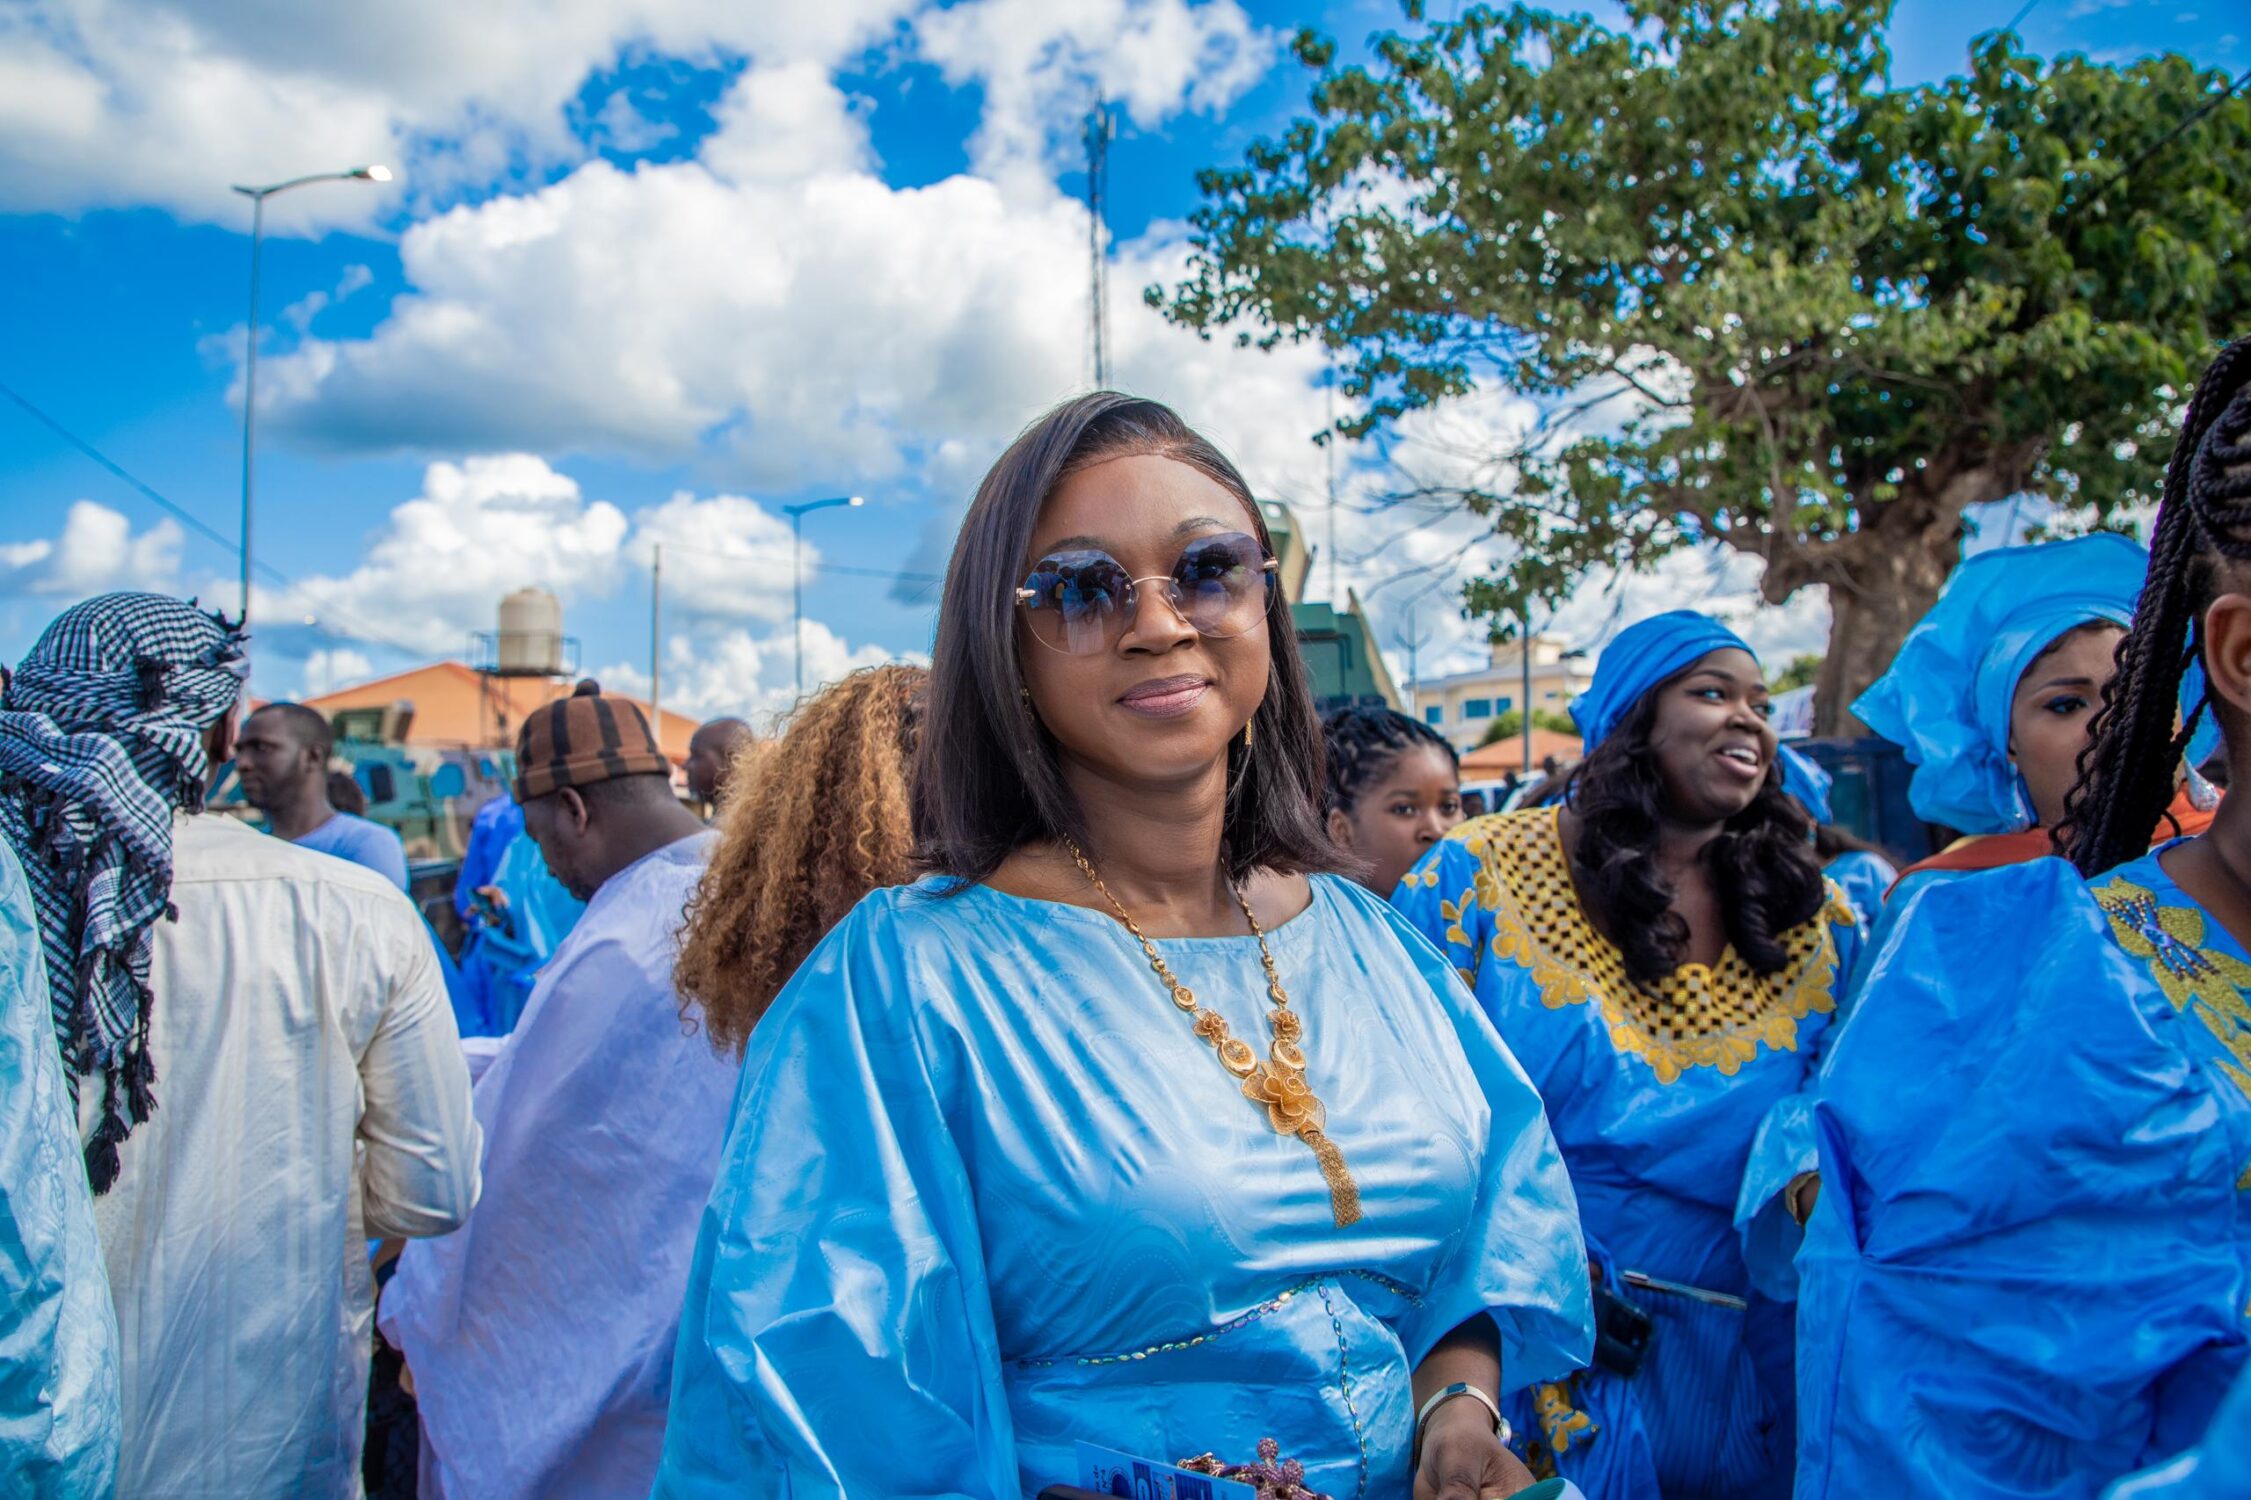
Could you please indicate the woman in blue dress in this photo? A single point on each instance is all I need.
(1993, 692)
(2029, 1266)
(1661, 953)
(1124, 1126)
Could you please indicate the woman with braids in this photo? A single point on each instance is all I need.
(1124, 1125)
(819, 821)
(1395, 789)
(2028, 1267)
(1662, 953)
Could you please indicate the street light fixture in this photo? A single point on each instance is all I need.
(797, 515)
(258, 196)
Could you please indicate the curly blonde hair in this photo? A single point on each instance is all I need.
(819, 819)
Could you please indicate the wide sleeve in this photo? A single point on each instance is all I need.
(2217, 1468)
(2024, 1270)
(1782, 1150)
(421, 1140)
(1522, 1260)
(838, 1335)
(1438, 898)
(58, 1340)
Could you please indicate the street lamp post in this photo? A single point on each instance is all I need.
(797, 571)
(258, 197)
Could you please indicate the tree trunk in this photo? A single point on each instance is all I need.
(1882, 594)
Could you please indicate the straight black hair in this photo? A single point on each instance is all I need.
(2126, 772)
(988, 779)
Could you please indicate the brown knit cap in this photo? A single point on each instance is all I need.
(580, 740)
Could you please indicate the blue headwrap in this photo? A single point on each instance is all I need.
(1803, 778)
(1643, 655)
(1946, 697)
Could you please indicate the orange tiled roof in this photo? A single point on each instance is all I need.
(1508, 755)
(456, 705)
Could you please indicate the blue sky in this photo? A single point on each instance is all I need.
(645, 277)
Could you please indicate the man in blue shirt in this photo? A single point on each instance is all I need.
(282, 758)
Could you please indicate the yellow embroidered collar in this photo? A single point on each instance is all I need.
(1698, 1016)
(2193, 975)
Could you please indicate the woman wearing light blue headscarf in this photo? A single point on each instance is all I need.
(1661, 953)
(1994, 743)
(2028, 1268)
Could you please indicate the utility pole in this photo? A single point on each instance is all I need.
(1413, 643)
(1526, 641)
(1329, 445)
(656, 641)
(1098, 133)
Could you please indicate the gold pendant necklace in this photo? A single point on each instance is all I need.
(1278, 1084)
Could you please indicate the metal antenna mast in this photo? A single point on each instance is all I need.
(1098, 132)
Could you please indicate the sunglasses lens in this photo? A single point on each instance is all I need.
(1223, 584)
(1075, 600)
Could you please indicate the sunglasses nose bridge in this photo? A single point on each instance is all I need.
(1167, 591)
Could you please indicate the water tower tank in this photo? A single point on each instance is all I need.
(531, 634)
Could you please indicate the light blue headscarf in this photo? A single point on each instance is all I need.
(1643, 655)
(1804, 779)
(1946, 697)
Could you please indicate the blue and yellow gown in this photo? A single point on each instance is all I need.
(987, 1194)
(1680, 1111)
(2030, 1266)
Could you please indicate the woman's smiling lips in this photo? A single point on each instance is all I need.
(1744, 760)
(1165, 697)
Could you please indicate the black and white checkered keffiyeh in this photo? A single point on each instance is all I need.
(101, 738)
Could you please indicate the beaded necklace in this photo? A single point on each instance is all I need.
(1278, 1084)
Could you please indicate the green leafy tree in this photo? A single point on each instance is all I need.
(1762, 297)
(1800, 671)
(1509, 725)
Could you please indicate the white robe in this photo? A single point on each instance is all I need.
(310, 1097)
(541, 1334)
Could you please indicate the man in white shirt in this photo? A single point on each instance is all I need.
(266, 1063)
(540, 1336)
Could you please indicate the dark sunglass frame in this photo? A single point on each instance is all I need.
(1124, 600)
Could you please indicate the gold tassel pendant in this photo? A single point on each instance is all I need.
(1344, 1193)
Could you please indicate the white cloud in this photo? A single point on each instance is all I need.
(1040, 63)
(732, 671)
(106, 103)
(327, 670)
(97, 551)
(726, 557)
(434, 574)
(166, 102)
(437, 570)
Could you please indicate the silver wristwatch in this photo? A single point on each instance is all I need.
(1459, 1388)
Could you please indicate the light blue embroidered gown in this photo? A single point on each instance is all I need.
(987, 1194)
(59, 1423)
(2029, 1269)
(1681, 1114)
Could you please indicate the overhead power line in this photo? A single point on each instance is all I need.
(185, 517)
(353, 626)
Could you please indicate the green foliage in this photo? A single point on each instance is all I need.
(1509, 725)
(1762, 296)
(1799, 672)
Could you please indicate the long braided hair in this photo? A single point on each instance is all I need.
(1762, 865)
(1362, 741)
(2126, 771)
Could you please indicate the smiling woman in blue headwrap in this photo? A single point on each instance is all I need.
(1660, 952)
(2028, 1267)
